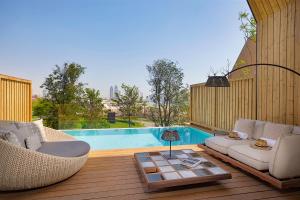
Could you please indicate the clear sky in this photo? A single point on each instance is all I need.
(116, 39)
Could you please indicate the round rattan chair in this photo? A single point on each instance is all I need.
(21, 168)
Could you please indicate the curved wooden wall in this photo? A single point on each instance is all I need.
(15, 99)
(278, 42)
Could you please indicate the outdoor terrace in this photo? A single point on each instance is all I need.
(114, 175)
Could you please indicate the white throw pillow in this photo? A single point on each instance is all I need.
(269, 141)
(40, 127)
(33, 142)
(245, 126)
(242, 135)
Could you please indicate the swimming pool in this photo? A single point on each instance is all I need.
(101, 139)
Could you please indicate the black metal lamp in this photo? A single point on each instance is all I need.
(217, 81)
(170, 135)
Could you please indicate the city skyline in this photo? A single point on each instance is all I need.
(113, 90)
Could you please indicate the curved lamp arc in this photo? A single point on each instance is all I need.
(222, 81)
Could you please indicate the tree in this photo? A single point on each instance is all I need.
(129, 101)
(41, 108)
(62, 86)
(168, 93)
(248, 25)
(92, 106)
(62, 91)
(182, 105)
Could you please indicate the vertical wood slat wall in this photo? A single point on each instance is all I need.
(278, 42)
(15, 99)
(221, 107)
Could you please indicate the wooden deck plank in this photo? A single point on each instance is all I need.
(102, 178)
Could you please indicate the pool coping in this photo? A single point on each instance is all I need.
(126, 128)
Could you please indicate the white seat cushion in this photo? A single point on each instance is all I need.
(222, 143)
(274, 131)
(258, 159)
(245, 126)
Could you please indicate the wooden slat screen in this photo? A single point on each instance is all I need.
(278, 36)
(221, 107)
(15, 99)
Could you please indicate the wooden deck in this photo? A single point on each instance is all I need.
(113, 175)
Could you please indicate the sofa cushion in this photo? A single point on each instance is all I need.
(274, 131)
(40, 126)
(245, 126)
(9, 137)
(285, 162)
(65, 148)
(258, 129)
(258, 159)
(222, 143)
(33, 142)
(21, 129)
(296, 130)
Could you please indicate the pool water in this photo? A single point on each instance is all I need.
(101, 139)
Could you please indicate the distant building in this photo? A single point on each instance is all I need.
(116, 91)
(111, 92)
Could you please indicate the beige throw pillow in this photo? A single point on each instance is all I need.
(33, 142)
(274, 131)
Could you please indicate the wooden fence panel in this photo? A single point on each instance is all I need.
(221, 107)
(15, 99)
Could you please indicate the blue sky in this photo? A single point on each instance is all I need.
(116, 39)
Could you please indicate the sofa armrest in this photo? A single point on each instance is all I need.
(285, 160)
(55, 135)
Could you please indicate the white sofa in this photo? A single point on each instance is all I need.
(282, 162)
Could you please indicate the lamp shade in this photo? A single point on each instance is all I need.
(170, 135)
(217, 81)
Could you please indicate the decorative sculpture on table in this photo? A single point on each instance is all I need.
(170, 135)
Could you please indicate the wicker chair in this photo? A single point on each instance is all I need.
(22, 168)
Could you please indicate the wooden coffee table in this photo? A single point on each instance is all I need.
(158, 171)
